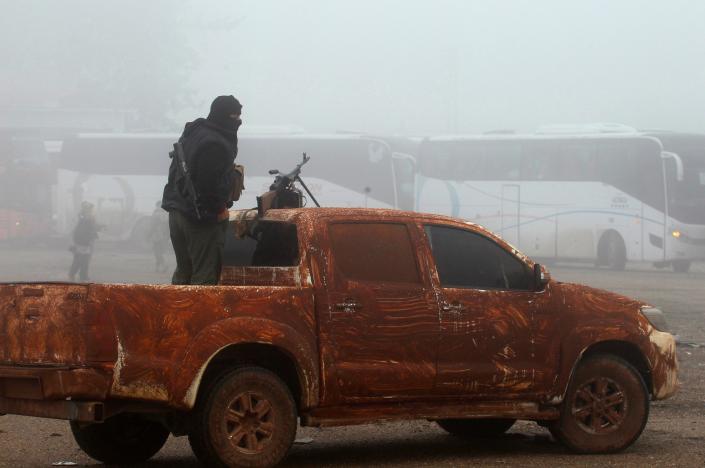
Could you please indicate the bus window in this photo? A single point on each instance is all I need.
(634, 167)
(556, 160)
(650, 176)
(452, 160)
(578, 161)
(541, 161)
(502, 161)
(359, 164)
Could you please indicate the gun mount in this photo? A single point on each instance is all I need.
(283, 192)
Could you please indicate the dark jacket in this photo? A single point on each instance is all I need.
(210, 152)
(85, 232)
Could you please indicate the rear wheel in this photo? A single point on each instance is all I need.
(246, 419)
(605, 408)
(681, 266)
(476, 427)
(122, 439)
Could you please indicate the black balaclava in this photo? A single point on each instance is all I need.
(221, 110)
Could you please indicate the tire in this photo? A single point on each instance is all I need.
(681, 266)
(605, 408)
(613, 252)
(230, 431)
(476, 427)
(122, 439)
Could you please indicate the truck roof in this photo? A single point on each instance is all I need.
(293, 215)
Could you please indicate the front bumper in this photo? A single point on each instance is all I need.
(664, 364)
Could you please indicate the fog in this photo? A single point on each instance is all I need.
(390, 68)
(411, 67)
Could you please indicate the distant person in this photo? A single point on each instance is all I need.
(84, 235)
(158, 236)
(210, 148)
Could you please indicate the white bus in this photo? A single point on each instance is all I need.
(604, 198)
(124, 174)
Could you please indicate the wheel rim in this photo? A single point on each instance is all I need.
(249, 423)
(600, 406)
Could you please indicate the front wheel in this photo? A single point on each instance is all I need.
(605, 408)
(247, 419)
(122, 439)
(476, 427)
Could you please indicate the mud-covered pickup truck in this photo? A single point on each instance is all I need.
(329, 317)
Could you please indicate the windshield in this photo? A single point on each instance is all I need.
(687, 197)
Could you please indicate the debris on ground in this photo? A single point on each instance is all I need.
(303, 441)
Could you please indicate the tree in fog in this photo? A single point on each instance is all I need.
(127, 55)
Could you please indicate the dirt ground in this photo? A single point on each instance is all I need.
(674, 436)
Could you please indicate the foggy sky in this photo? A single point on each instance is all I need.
(414, 67)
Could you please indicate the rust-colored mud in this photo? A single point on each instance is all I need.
(361, 349)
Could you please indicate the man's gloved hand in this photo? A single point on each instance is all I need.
(223, 215)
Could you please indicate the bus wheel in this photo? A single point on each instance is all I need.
(681, 266)
(611, 251)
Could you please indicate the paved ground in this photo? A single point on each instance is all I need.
(675, 435)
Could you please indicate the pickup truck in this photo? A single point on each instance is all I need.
(328, 317)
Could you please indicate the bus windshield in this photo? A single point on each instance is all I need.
(687, 197)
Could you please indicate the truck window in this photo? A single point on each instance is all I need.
(465, 259)
(269, 244)
(377, 252)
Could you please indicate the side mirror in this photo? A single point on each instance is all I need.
(541, 276)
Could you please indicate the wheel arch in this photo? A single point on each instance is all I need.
(248, 341)
(621, 349)
(266, 356)
(602, 245)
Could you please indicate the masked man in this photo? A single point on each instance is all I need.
(198, 236)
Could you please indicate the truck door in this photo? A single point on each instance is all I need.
(487, 304)
(379, 311)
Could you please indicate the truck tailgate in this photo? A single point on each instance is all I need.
(44, 324)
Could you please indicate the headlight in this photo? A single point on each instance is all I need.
(655, 318)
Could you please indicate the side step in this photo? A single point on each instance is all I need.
(368, 413)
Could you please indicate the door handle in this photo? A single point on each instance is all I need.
(452, 307)
(348, 305)
(32, 314)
